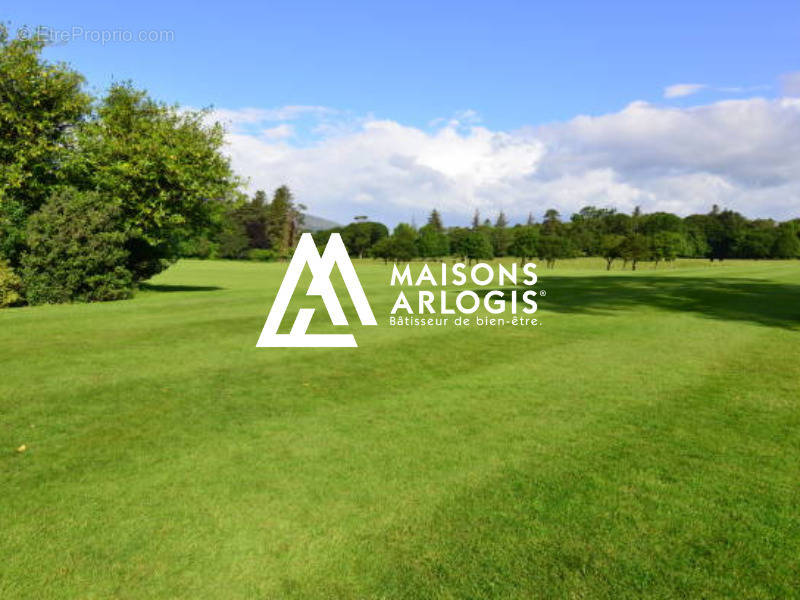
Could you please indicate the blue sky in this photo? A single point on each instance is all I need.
(501, 67)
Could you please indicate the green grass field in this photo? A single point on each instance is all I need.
(642, 442)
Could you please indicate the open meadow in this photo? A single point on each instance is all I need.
(643, 441)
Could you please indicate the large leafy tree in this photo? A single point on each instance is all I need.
(40, 105)
(161, 165)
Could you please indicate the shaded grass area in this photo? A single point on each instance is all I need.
(642, 442)
(731, 299)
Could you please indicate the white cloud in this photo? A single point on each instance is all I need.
(744, 154)
(279, 132)
(679, 90)
(790, 83)
(238, 118)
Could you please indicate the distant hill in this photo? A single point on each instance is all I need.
(313, 223)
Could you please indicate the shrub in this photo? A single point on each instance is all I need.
(76, 251)
(10, 286)
(198, 247)
(262, 254)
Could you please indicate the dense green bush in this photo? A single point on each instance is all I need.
(262, 254)
(199, 247)
(76, 251)
(10, 286)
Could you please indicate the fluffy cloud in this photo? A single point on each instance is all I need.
(790, 83)
(683, 89)
(743, 154)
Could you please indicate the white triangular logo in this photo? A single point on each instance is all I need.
(321, 267)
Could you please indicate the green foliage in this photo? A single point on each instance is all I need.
(636, 248)
(724, 231)
(233, 241)
(400, 246)
(551, 224)
(787, 243)
(164, 168)
(10, 286)
(611, 248)
(284, 222)
(262, 254)
(199, 247)
(667, 245)
(432, 242)
(755, 242)
(525, 242)
(552, 247)
(39, 104)
(501, 237)
(435, 221)
(476, 245)
(361, 236)
(76, 251)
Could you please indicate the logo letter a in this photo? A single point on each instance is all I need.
(321, 267)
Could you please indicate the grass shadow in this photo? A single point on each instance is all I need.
(153, 287)
(731, 299)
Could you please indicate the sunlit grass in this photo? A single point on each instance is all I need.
(643, 441)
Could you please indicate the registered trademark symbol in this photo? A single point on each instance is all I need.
(542, 293)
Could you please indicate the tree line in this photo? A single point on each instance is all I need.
(616, 236)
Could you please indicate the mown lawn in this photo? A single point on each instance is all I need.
(642, 442)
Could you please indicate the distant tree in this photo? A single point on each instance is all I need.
(400, 246)
(551, 222)
(435, 221)
(724, 232)
(470, 245)
(666, 245)
(755, 242)
(458, 244)
(635, 248)
(383, 249)
(787, 243)
(501, 236)
(476, 220)
(478, 246)
(356, 238)
(661, 221)
(611, 248)
(361, 236)
(404, 231)
(254, 218)
(551, 247)
(531, 220)
(586, 227)
(232, 240)
(697, 227)
(525, 242)
(285, 221)
(403, 242)
(432, 242)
